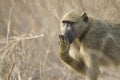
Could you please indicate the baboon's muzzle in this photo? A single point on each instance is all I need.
(69, 36)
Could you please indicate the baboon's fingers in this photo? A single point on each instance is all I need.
(67, 43)
(61, 37)
(61, 41)
(64, 42)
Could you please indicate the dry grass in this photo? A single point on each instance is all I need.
(28, 37)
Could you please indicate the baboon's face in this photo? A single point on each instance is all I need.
(67, 29)
(73, 25)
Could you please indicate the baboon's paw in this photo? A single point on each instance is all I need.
(64, 43)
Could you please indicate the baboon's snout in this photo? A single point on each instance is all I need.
(69, 35)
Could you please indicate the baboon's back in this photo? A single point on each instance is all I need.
(112, 45)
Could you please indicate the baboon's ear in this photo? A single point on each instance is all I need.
(85, 17)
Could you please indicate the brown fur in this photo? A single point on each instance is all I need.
(95, 43)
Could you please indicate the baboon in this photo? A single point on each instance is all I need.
(86, 42)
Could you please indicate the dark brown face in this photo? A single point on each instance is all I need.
(67, 30)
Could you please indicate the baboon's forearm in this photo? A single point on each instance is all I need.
(78, 66)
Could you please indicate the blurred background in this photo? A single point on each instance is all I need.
(29, 32)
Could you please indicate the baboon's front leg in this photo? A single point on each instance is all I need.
(64, 47)
(92, 71)
(92, 64)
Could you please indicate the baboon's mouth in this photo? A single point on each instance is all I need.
(70, 38)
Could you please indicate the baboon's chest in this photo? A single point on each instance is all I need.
(74, 50)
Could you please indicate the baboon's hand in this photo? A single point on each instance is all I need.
(64, 44)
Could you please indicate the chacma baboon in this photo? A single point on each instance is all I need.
(87, 42)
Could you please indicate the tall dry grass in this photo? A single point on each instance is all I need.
(29, 32)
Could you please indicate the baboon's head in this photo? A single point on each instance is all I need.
(73, 25)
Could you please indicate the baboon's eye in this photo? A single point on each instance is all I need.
(68, 23)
